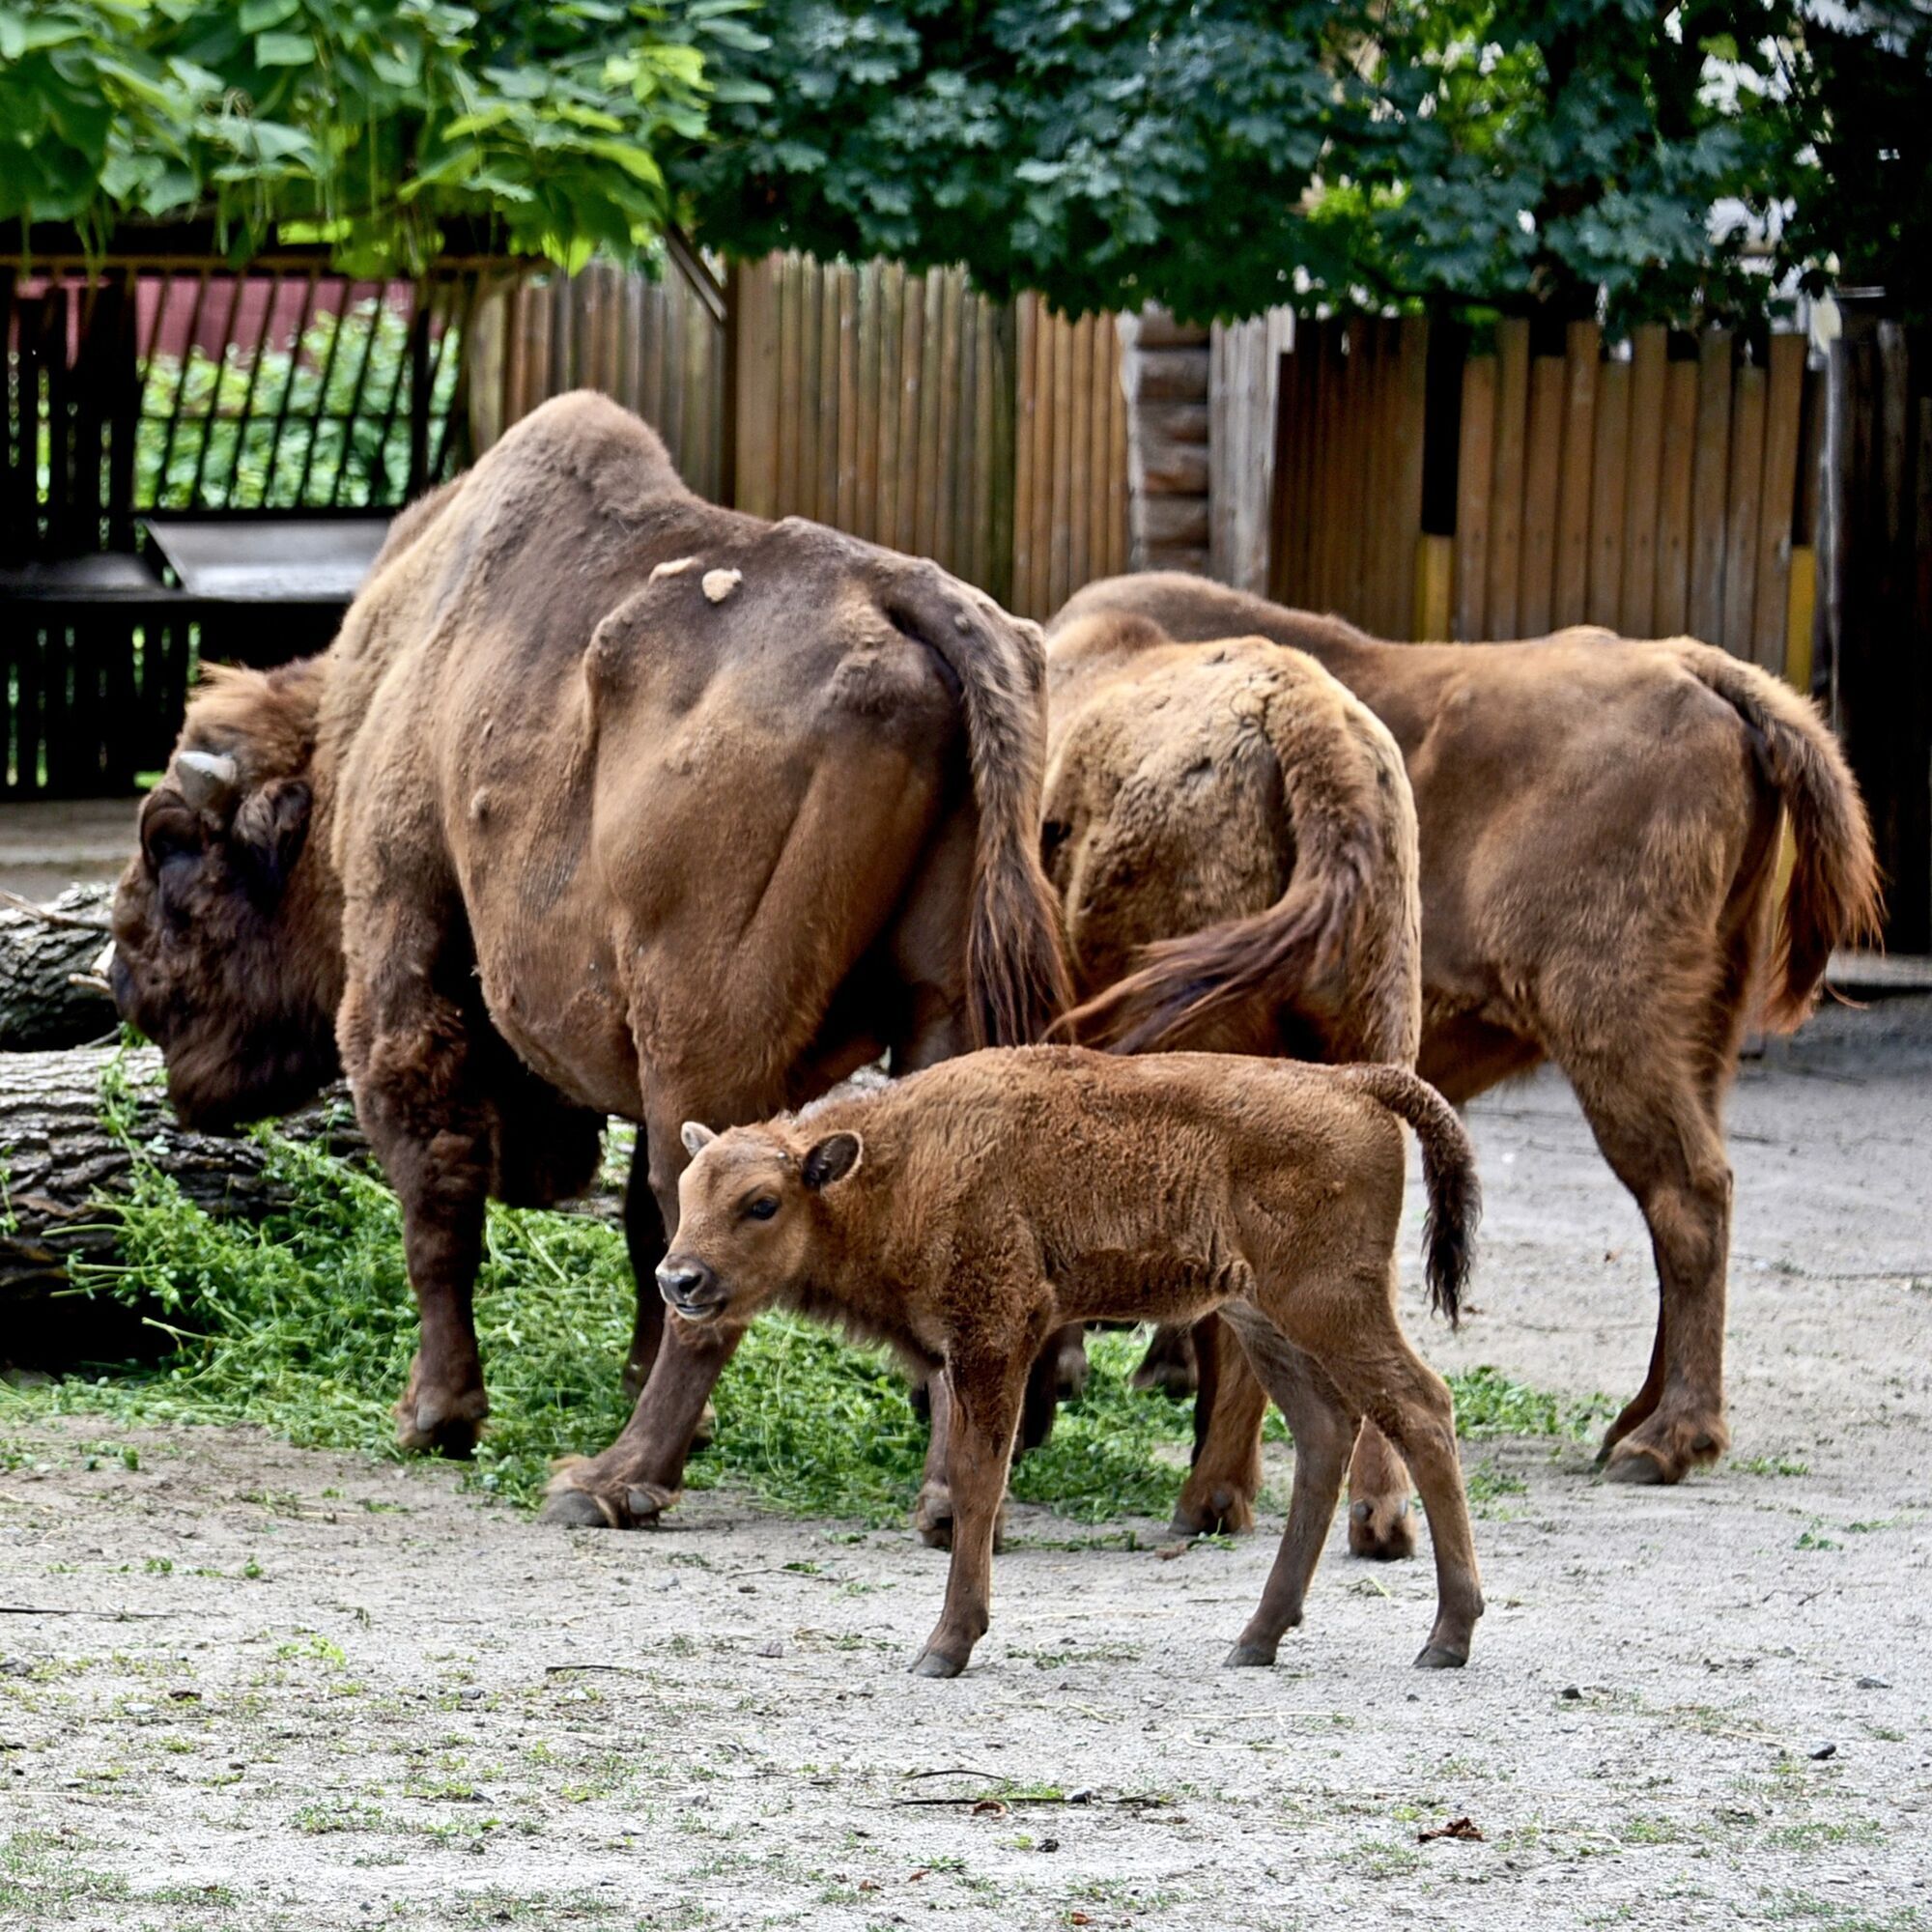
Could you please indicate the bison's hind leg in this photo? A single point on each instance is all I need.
(1226, 1476)
(1380, 1526)
(1324, 1427)
(1169, 1364)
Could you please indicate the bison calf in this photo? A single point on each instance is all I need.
(964, 1213)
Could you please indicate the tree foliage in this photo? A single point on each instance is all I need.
(1224, 155)
(363, 123)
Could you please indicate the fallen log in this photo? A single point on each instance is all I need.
(63, 1164)
(72, 1127)
(51, 994)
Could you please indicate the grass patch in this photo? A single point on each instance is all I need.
(305, 1325)
(1490, 1404)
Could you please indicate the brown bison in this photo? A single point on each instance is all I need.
(964, 1213)
(1234, 842)
(1600, 836)
(604, 800)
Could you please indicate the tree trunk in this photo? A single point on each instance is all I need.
(41, 1007)
(63, 1167)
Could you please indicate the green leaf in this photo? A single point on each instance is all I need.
(255, 16)
(284, 50)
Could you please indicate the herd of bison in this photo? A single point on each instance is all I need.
(607, 801)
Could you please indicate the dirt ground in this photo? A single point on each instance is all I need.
(292, 1690)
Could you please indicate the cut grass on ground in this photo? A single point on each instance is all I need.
(305, 1325)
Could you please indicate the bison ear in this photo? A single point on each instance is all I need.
(270, 832)
(831, 1159)
(696, 1137)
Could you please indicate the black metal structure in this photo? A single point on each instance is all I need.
(161, 387)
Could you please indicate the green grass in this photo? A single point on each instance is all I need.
(305, 1325)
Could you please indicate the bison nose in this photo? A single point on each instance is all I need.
(688, 1286)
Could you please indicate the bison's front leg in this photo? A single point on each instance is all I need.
(985, 1408)
(634, 1481)
(645, 1243)
(411, 1061)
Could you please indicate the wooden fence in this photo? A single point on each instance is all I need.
(656, 346)
(1653, 487)
(905, 408)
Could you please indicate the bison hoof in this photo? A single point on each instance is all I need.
(1247, 1655)
(1640, 1466)
(579, 1509)
(1439, 1657)
(932, 1517)
(1219, 1513)
(1666, 1448)
(431, 1419)
(936, 1663)
(637, 1507)
(1382, 1534)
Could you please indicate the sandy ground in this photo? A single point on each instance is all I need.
(299, 1690)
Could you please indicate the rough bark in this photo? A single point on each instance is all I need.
(63, 1168)
(40, 1006)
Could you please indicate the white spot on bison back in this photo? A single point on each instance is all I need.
(674, 568)
(718, 584)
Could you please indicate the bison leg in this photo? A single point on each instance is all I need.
(1169, 1364)
(984, 1404)
(644, 1241)
(1324, 1427)
(412, 1056)
(1666, 1146)
(932, 1512)
(1379, 1524)
(1379, 1375)
(634, 1481)
(1220, 1490)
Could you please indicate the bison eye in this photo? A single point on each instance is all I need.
(762, 1209)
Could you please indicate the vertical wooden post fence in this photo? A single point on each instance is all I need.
(1653, 487)
(905, 408)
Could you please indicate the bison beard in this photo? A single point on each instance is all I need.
(554, 830)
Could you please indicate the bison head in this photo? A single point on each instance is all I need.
(227, 936)
(748, 1215)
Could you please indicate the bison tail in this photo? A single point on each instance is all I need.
(1448, 1173)
(1834, 898)
(1017, 975)
(1355, 898)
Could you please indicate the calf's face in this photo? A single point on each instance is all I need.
(750, 1210)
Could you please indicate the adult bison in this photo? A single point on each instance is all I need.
(604, 800)
(1600, 835)
(1234, 842)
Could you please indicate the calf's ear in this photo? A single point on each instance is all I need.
(696, 1137)
(831, 1159)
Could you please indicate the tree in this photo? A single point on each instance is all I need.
(1221, 155)
(365, 123)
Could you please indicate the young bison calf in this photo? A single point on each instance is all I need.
(964, 1213)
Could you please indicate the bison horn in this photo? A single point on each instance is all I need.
(206, 778)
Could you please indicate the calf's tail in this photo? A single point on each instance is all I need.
(1448, 1173)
